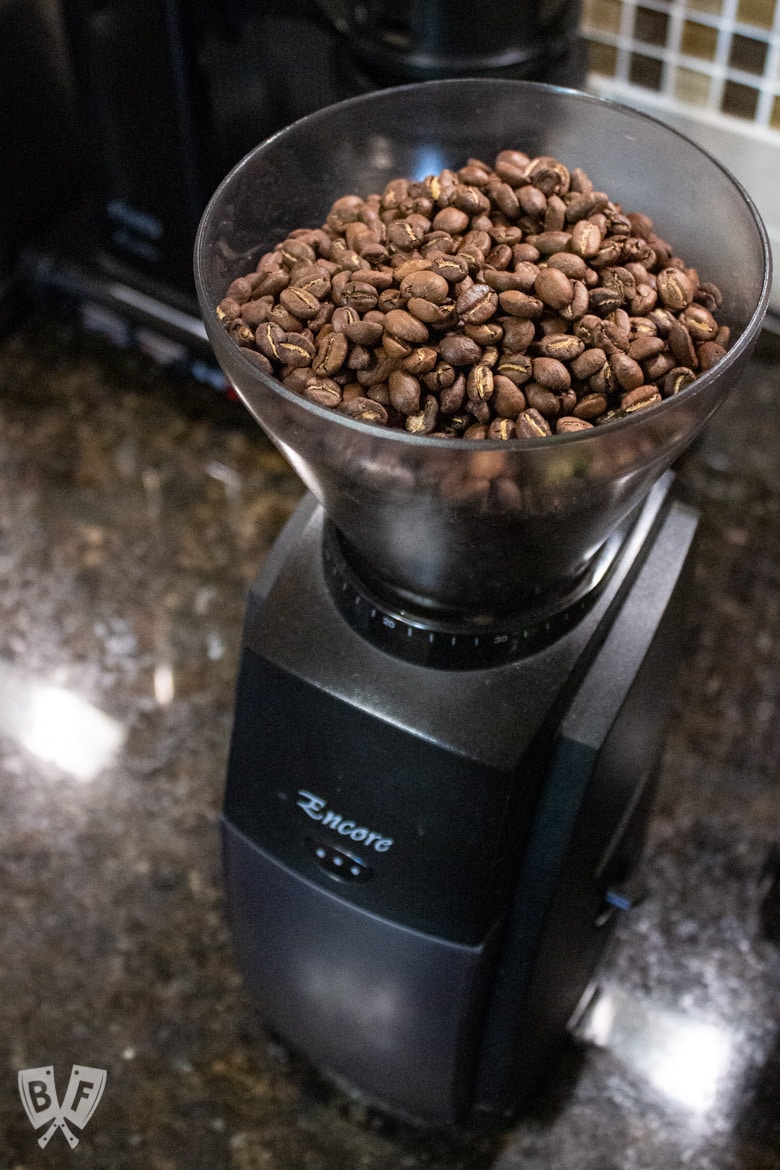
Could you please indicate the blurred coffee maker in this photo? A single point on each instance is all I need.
(174, 92)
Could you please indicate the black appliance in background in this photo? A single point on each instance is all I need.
(173, 93)
(40, 172)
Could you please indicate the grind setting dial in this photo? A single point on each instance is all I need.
(450, 644)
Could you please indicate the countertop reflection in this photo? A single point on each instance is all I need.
(134, 513)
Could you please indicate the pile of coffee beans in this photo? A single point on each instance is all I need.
(502, 302)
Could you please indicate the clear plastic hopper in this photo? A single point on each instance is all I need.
(459, 525)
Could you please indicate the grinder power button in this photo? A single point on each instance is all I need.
(337, 863)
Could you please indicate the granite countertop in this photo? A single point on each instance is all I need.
(133, 517)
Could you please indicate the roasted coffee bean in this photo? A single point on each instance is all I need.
(567, 262)
(400, 323)
(681, 345)
(628, 373)
(360, 295)
(323, 392)
(489, 333)
(550, 242)
(569, 424)
(431, 313)
(439, 378)
(588, 363)
(551, 373)
(519, 334)
(426, 284)
(675, 289)
(508, 399)
(364, 410)
(299, 302)
(267, 338)
(288, 322)
(404, 392)
(421, 360)
(242, 288)
(645, 346)
(710, 353)
(529, 424)
(517, 367)
(590, 406)
(676, 380)
(699, 322)
(658, 366)
(452, 268)
(241, 333)
(541, 398)
(365, 332)
(451, 398)
(459, 350)
(451, 220)
(520, 304)
(639, 399)
(501, 428)
(479, 383)
(259, 360)
(330, 355)
(228, 309)
(479, 302)
(563, 346)
(554, 288)
(424, 421)
(295, 349)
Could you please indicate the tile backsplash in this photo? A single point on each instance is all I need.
(709, 67)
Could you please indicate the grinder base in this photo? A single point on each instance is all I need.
(422, 864)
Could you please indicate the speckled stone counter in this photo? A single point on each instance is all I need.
(133, 516)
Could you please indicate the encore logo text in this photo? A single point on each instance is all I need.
(39, 1097)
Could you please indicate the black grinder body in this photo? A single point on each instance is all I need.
(423, 864)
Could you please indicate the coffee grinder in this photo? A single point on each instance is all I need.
(457, 658)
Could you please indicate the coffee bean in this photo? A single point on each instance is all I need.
(709, 354)
(675, 289)
(424, 421)
(400, 323)
(459, 350)
(323, 392)
(295, 349)
(431, 313)
(554, 288)
(639, 399)
(516, 367)
(479, 383)
(330, 355)
(628, 373)
(479, 302)
(590, 406)
(299, 302)
(676, 380)
(563, 346)
(531, 425)
(508, 399)
(520, 304)
(425, 283)
(551, 373)
(501, 428)
(541, 398)
(364, 410)
(568, 425)
(404, 392)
